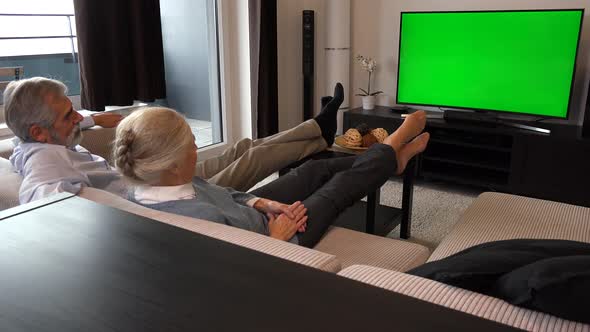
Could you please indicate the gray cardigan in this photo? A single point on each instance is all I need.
(221, 205)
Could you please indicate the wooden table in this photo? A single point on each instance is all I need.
(74, 265)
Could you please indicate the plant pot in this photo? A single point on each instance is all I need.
(368, 102)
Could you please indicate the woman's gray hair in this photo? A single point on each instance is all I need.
(25, 105)
(149, 141)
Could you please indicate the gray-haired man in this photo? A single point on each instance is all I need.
(50, 160)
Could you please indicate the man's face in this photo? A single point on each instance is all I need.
(66, 128)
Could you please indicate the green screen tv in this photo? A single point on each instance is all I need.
(506, 61)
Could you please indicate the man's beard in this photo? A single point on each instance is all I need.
(73, 139)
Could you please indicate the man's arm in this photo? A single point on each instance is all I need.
(47, 173)
(105, 120)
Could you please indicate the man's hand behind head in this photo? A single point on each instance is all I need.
(107, 120)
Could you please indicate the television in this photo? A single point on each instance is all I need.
(505, 61)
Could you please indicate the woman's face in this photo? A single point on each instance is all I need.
(186, 167)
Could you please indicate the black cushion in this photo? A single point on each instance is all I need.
(558, 286)
(477, 268)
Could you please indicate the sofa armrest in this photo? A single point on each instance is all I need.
(251, 240)
(476, 304)
(497, 216)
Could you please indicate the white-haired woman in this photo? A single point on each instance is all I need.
(155, 149)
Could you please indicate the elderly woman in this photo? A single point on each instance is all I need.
(155, 149)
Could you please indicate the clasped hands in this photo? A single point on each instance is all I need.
(283, 220)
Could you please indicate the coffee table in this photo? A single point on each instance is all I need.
(379, 219)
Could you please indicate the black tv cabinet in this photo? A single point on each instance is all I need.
(492, 157)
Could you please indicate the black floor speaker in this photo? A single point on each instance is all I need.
(308, 56)
(586, 123)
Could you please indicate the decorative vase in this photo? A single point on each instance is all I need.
(368, 102)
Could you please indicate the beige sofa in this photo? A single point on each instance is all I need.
(338, 249)
(491, 217)
(381, 261)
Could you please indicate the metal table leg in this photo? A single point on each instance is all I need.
(372, 201)
(407, 199)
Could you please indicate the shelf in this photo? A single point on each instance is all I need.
(481, 181)
(493, 160)
(470, 145)
(464, 174)
(468, 163)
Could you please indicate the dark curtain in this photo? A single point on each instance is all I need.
(267, 119)
(120, 52)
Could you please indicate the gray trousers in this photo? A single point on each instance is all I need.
(328, 186)
(248, 162)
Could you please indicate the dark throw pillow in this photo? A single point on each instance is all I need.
(479, 267)
(559, 286)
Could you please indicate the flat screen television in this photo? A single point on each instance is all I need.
(506, 61)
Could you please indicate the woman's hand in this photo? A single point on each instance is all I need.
(276, 208)
(268, 206)
(283, 227)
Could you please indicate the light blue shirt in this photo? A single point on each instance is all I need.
(48, 169)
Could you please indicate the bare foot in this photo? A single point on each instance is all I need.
(408, 151)
(412, 126)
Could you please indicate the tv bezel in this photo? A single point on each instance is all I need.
(569, 103)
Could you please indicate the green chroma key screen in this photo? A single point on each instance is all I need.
(518, 61)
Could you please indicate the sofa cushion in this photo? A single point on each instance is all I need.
(10, 181)
(558, 286)
(352, 247)
(495, 216)
(6, 148)
(233, 235)
(462, 300)
(99, 141)
(479, 268)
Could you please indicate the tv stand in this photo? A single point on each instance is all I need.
(497, 156)
(487, 119)
(477, 117)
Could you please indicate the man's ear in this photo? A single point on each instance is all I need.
(39, 134)
(174, 169)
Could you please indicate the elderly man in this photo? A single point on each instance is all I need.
(50, 160)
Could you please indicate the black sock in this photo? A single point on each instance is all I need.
(327, 117)
(325, 100)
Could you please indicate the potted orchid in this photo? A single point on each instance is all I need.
(369, 65)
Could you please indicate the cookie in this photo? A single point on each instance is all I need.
(380, 134)
(352, 137)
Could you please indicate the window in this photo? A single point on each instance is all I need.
(189, 32)
(40, 37)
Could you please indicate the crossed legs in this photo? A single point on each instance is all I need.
(328, 187)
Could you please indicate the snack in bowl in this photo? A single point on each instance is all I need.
(380, 134)
(368, 140)
(352, 137)
(363, 129)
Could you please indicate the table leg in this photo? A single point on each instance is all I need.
(407, 199)
(373, 199)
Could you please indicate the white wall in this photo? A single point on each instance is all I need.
(290, 76)
(375, 33)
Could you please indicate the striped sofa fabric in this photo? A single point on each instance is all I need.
(495, 216)
(462, 300)
(233, 235)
